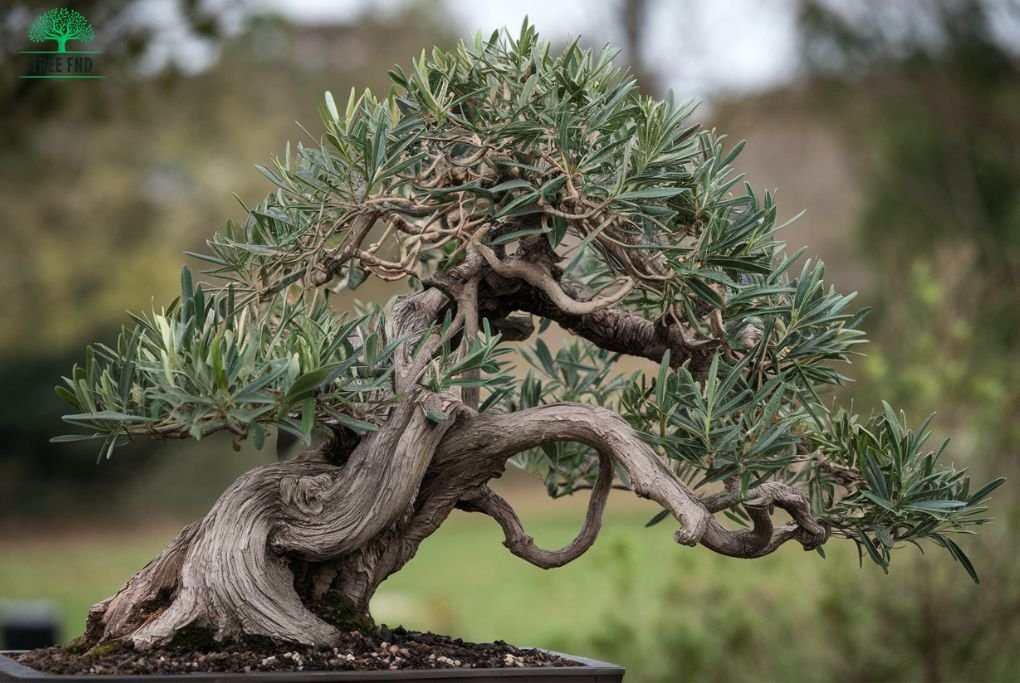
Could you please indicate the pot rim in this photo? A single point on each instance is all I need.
(589, 669)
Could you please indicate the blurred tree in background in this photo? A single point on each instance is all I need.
(921, 101)
(933, 92)
(134, 169)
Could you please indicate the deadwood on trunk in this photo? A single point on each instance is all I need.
(232, 571)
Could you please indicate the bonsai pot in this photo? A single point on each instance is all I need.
(587, 671)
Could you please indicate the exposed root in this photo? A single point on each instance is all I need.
(221, 574)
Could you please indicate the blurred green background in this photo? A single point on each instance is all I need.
(895, 125)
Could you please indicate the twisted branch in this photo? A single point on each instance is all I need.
(522, 545)
(612, 329)
(762, 538)
(493, 439)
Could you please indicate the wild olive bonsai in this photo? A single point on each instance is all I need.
(510, 188)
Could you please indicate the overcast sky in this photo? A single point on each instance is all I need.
(733, 45)
(699, 48)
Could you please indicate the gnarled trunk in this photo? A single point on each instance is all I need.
(291, 548)
(274, 544)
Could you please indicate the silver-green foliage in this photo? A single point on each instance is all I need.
(205, 365)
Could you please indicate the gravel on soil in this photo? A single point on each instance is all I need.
(384, 649)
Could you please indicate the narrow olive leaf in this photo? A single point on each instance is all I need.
(359, 426)
(306, 383)
(206, 257)
(958, 554)
(937, 506)
(659, 516)
(518, 234)
(70, 438)
(351, 111)
(662, 380)
(103, 416)
(331, 106)
(706, 293)
(67, 396)
(873, 552)
(473, 188)
(544, 357)
(985, 491)
(558, 231)
(187, 295)
(892, 421)
(652, 193)
(258, 434)
(737, 148)
(883, 536)
(524, 98)
(517, 203)
(878, 500)
(272, 177)
(515, 184)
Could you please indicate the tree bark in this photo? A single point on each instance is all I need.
(612, 329)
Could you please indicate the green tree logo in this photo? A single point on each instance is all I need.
(61, 24)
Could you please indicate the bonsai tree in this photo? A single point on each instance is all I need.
(511, 189)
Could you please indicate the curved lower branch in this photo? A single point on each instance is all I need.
(611, 436)
(499, 437)
(522, 545)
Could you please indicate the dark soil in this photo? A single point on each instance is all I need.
(380, 650)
